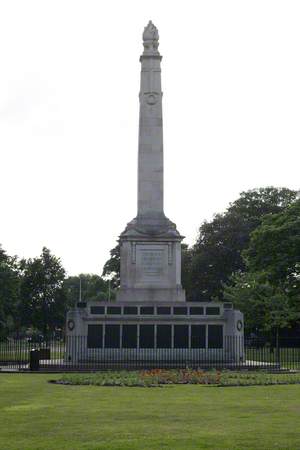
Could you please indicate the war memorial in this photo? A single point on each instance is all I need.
(151, 319)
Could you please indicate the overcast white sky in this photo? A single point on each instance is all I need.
(69, 82)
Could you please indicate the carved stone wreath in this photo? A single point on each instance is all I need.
(151, 98)
(239, 325)
(71, 324)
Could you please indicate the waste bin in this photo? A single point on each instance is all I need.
(34, 361)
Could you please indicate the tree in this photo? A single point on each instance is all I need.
(112, 267)
(265, 307)
(93, 287)
(275, 250)
(9, 294)
(186, 264)
(268, 291)
(217, 253)
(43, 297)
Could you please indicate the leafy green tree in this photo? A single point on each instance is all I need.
(111, 268)
(43, 297)
(186, 264)
(268, 292)
(93, 287)
(256, 203)
(217, 253)
(275, 250)
(266, 307)
(9, 294)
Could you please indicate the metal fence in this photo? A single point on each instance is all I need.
(75, 354)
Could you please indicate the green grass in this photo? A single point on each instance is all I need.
(36, 415)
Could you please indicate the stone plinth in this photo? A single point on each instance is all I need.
(150, 265)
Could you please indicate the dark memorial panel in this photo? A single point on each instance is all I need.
(129, 336)
(198, 336)
(146, 336)
(147, 310)
(215, 336)
(196, 310)
(97, 309)
(163, 310)
(130, 310)
(112, 336)
(113, 310)
(212, 311)
(95, 334)
(164, 336)
(181, 336)
(180, 310)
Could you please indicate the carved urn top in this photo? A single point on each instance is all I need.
(150, 38)
(150, 32)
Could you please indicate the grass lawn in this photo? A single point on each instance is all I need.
(37, 415)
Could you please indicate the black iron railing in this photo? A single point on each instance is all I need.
(76, 353)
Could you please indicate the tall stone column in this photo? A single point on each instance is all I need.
(150, 245)
(150, 158)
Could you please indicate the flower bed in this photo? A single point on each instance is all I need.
(162, 377)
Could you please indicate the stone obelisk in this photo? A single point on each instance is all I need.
(150, 159)
(150, 245)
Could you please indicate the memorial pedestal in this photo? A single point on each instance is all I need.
(150, 265)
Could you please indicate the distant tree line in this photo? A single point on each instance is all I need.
(249, 255)
(35, 294)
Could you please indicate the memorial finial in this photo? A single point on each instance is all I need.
(150, 38)
(150, 32)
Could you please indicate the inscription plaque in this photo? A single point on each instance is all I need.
(152, 262)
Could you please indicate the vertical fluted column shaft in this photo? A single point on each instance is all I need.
(150, 155)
